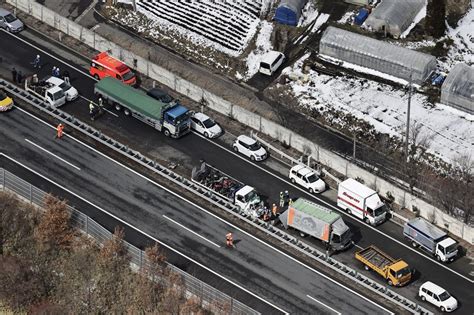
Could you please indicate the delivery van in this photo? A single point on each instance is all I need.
(103, 65)
(270, 62)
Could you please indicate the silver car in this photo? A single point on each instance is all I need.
(10, 22)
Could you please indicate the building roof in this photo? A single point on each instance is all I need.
(460, 84)
(315, 210)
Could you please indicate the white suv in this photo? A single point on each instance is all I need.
(304, 176)
(249, 147)
(438, 296)
(70, 91)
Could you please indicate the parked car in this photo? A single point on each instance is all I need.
(307, 178)
(250, 148)
(204, 125)
(437, 296)
(160, 95)
(70, 91)
(10, 22)
(6, 102)
(270, 62)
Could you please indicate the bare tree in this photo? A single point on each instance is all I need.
(419, 145)
(464, 166)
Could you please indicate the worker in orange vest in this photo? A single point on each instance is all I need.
(59, 130)
(229, 240)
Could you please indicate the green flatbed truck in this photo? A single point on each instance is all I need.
(171, 119)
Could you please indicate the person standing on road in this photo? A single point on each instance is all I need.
(282, 200)
(229, 240)
(36, 62)
(91, 110)
(59, 130)
(57, 72)
(274, 210)
(66, 76)
(19, 77)
(14, 75)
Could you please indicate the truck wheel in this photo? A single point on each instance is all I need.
(366, 268)
(438, 258)
(414, 244)
(366, 220)
(126, 112)
(302, 234)
(390, 283)
(117, 106)
(206, 135)
(96, 77)
(167, 133)
(349, 211)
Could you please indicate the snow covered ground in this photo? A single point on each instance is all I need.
(451, 131)
(463, 37)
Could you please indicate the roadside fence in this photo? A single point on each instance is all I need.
(210, 297)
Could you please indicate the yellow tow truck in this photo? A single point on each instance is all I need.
(395, 271)
(6, 102)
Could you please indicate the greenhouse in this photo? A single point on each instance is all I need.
(376, 55)
(458, 88)
(289, 11)
(394, 16)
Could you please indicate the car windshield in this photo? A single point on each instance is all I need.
(58, 95)
(208, 123)
(444, 296)
(128, 75)
(403, 272)
(10, 18)
(64, 86)
(3, 96)
(312, 178)
(255, 146)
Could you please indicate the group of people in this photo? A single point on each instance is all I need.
(17, 76)
(285, 199)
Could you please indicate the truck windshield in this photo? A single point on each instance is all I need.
(182, 118)
(58, 95)
(403, 272)
(450, 248)
(251, 196)
(379, 211)
(128, 75)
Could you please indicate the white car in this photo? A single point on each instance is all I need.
(437, 296)
(70, 91)
(304, 176)
(204, 125)
(249, 147)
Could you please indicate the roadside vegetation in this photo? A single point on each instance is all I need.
(47, 267)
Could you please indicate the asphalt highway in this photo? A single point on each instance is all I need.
(283, 283)
(187, 151)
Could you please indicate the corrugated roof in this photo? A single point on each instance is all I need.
(315, 210)
(427, 228)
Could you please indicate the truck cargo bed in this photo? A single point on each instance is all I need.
(375, 256)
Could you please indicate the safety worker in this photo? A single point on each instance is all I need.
(229, 240)
(91, 110)
(290, 202)
(59, 130)
(286, 197)
(274, 210)
(282, 200)
(101, 103)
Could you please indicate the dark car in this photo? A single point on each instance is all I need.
(160, 95)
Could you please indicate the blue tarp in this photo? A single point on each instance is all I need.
(361, 16)
(289, 12)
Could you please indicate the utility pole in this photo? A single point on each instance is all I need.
(407, 135)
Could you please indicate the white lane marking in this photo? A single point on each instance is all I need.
(359, 247)
(312, 298)
(146, 234)
(90, 101)
(93, 28)
(189, 230)
(61, 159)
(48, 54)
(342, 212)
(218, 218)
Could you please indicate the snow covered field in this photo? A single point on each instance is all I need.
(451, 131)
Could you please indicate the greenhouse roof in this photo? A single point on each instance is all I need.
(460, 81)
(398, 12)
(376, 49)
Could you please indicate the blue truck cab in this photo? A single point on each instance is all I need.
(180, 117)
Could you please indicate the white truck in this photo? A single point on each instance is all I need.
(430, 238)
(46, 91)
(361, 202)
(229, 188)
(310, 218)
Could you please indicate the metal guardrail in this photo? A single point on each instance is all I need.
(214, 199)
(219, 301)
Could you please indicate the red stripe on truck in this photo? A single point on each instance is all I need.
(350, 203)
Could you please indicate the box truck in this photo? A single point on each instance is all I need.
(361, 202)
(395, 271)
(312, 219)
(431, 238)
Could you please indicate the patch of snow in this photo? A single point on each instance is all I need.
(462, 49)
(263, 45)
(346, 19)
(322, 18)
(420, 16)
(384, 107)
(308, 14)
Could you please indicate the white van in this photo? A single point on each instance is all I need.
(270, 62)
(438, 296)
